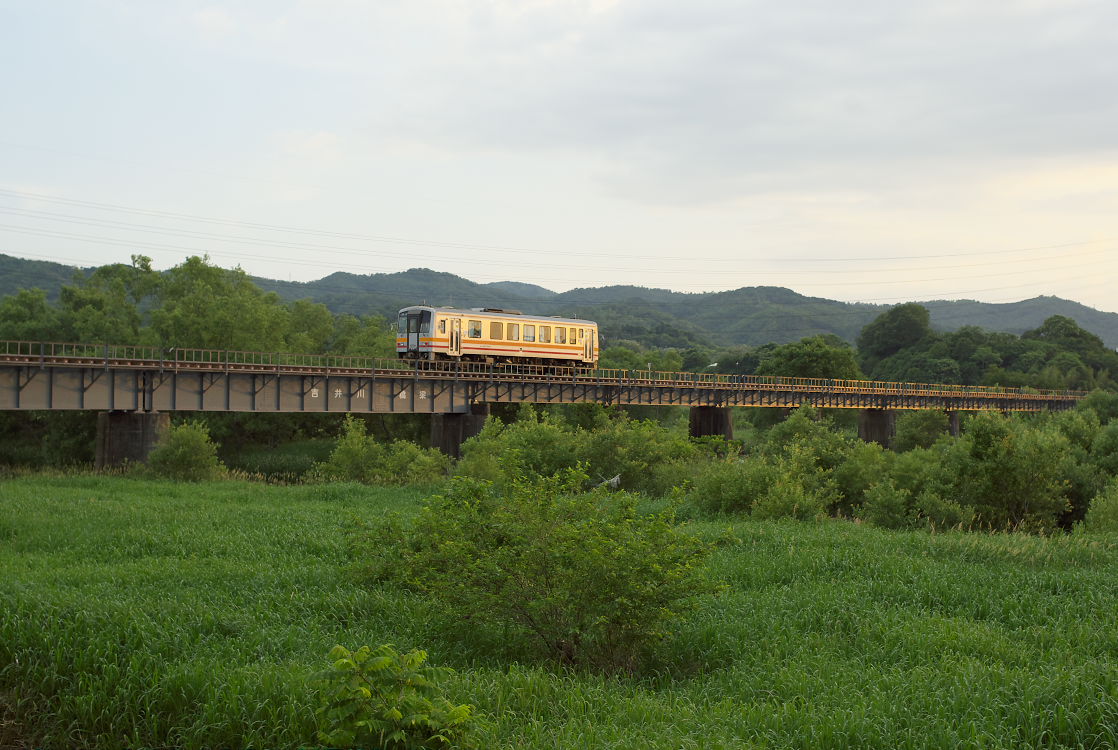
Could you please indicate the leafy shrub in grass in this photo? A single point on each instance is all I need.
(919, 429)
(864, 465)
(936, 513)
(581, 577)
(810, 435)
(530, 447)
(788, 498)
(360, 458)
(886, 505)
(1104, 448)
(1009, 472)
(384, 699)
(1102, 516)
(634, 451)
(186, 453)
(734, 485)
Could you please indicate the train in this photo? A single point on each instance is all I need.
(491, 334)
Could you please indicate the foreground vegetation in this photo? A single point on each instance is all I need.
(144, 613)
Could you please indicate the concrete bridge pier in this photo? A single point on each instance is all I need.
(449, 431)
(128, 436)
(877, 426)
(953, 423)
(708, 421)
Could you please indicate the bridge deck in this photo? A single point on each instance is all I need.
(46, 375)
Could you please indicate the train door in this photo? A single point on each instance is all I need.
(454, 349)
(413, 333)
(588, 346)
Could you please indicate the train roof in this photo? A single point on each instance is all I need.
(499, 312)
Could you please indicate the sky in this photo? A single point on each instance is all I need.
(870, 150)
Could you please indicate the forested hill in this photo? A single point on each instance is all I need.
(653, 317)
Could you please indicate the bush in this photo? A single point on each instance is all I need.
(788, 498)
(1102, 516)
(579, 576)
(887, 506)
(1008, 471)
(937, 513)
(381, 698)
(530, 447)
(865, 464)
(360, 458)
(634, 451)
(919, 429)
(186, 453)
(734, 485)
(1104, 448)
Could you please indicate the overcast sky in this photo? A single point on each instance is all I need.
(869, 150)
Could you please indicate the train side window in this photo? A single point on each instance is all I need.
(573, 336)
(497, 330)
(560, 335)
(442, 326)
(473, 329)
(545, 334)
(581, 334)
(514, 332)
(529, 332)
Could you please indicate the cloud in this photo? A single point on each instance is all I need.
(213, 22)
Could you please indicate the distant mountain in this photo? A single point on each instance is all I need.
(655, 317)
(528, 291)
(17, 273)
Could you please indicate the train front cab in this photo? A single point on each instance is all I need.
(414, 332)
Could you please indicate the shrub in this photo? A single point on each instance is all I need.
(733, 486)
(530, 447)
(359, 458)
(788, 498)
(381, 698)
(537, 447)
(632, 449)
(887, 506)
(919, 429)
(1102, 516)
(1104, 448)
(937, 513)
(581, 576)
(186, 453)
(1008, 471)
(864, 465)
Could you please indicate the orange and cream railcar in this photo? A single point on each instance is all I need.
(494, 335)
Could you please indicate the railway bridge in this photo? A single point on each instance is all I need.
(135, 388)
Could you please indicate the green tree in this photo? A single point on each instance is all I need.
(27, 316)
(895, 329)
(203, 306)
(365, 336)
(310, 327)
(104, 307)
(813, 357)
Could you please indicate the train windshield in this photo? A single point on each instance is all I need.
(415, 322)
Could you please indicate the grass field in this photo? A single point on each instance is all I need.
(137, 613)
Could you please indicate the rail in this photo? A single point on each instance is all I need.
(175, 359)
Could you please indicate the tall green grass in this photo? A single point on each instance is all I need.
(138, 613)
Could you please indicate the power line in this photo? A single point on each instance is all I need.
(147, 228)
(122, 242)
(475, 246)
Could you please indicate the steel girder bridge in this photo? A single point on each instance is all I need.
(136, 380)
